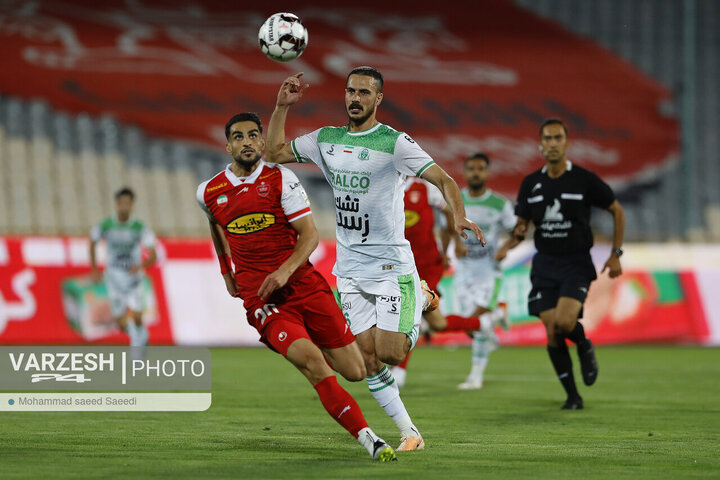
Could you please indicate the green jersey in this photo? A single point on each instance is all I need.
(124, 241)
(367, 171)
(493, 214)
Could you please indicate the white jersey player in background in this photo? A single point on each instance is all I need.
(478, 276)
(125, 237)
(366, 163)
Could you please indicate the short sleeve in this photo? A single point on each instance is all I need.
(200, 197)
(307, 149)
(147, 237)
(507, 216)
(409, 158)
(600, 194)
(294, 200)
(435, 196)
(522, 209)
(96, 233)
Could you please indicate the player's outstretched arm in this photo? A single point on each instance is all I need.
(307, 242)
(449, 233)
(438, 177)
(276, 150)
(222, 249)
(613, 263)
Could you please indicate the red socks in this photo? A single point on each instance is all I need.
(456, 322)
(340, 405)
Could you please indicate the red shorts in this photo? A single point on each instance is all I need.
(432, 273)
(304, 309)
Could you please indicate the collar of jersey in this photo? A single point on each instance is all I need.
(235, 180)
(568, 166)
(482, 197)
(364, 132)
(130, 219)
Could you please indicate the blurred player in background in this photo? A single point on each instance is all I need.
(125, 237)
(260, 221)
(422, 201)
(557, 199)
(477, 271)
(367, 164)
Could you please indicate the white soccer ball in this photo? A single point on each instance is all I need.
(282, 37)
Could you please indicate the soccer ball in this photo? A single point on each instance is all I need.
(282, 37)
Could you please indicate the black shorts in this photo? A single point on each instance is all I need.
(555, 276)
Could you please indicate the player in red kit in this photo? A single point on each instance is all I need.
(263, 232)
(421, 201)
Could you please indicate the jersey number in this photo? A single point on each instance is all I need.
(264, 312)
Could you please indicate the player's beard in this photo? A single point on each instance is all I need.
(359, 120)
(248, 164)
(476, 186)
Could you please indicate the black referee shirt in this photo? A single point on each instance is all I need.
(560, 208)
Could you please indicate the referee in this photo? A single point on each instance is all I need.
(557, 199)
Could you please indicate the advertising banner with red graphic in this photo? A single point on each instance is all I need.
(667, 294)
(663, 296)
(47, 297)
(458, 80)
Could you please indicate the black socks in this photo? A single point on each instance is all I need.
(560, 358)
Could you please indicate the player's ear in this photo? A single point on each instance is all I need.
(227, 148)
(378, 99)
(262, 144)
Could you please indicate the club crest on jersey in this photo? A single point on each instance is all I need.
(263, 189)
(411, 218)
(364, 154)
(251, 223)
(222, 199)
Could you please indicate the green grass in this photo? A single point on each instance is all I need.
(654, 413)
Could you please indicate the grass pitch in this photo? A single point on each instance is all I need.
(654, 413)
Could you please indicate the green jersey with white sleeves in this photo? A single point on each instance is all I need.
(124, 241)
(493, 214)
(367, 171)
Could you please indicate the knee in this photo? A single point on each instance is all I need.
(314, 372)
(565, 324)
(391, 357)
(313, 367)
(549, 328)
(355, 372)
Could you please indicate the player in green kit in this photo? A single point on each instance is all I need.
(367, 163)
(125, 237)
(477, 270)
